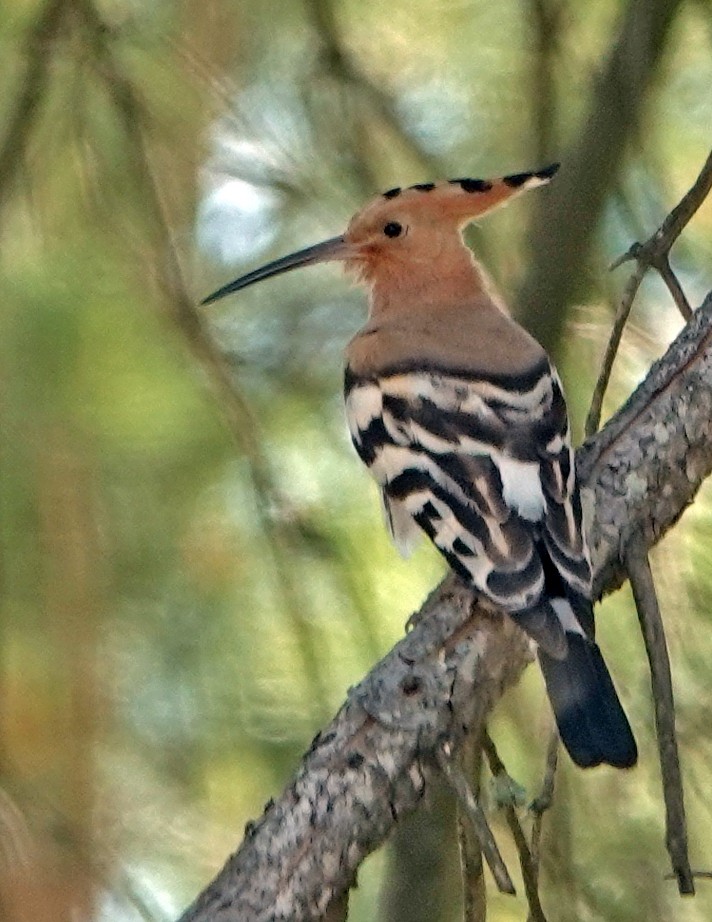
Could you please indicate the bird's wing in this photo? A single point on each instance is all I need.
(484, 468)
(565, 551)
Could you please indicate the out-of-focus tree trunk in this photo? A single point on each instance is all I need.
(564, 226)
(45, 871)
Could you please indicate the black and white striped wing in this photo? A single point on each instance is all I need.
(485, 470)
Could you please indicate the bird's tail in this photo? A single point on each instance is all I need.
(591, 721)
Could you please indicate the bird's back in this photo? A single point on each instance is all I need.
(474, 338)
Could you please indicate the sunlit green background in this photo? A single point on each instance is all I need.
(188, 589)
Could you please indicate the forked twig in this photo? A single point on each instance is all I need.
(641, 581)
(654, 253)
(529, 871)
(473, 811)
(541, 804)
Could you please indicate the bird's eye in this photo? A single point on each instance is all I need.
(393, 229)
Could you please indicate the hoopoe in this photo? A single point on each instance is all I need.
(461, 419)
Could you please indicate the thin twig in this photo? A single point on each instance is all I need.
(641, 581)
(698, 875)
(631, 289)
(682, 213)
(529, 875)
(660, 243)
(654, 253)
(541, 804)
(474, 893)
(674, 287)
(466, 799)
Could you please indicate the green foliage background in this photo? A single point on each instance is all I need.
(190, 581)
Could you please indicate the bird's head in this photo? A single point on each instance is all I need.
(404, 232)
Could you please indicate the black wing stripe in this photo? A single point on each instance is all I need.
(574, 570)
(520, 569)
(507, 544)
(512, 382)
(415, 480)
(437, 439)
(478, 476)
(502, 583)
(370, 440)
(448, 425)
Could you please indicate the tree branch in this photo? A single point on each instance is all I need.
(541, 804)
(474, 892)
(651, 624)
(645, 466)
(653, 253)
(593, 418)
(472, 810)
(376, 759)
(526, 862)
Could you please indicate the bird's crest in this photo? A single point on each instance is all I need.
(462, 199)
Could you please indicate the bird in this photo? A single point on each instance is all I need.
(460, 416)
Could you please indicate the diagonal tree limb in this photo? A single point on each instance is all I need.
(643, 469)
(375, 761)
(372, 764)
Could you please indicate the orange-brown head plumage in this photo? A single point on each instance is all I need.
(408, 240)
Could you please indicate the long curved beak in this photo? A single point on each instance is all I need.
(335, 248)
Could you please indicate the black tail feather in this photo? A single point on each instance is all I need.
(591, 721)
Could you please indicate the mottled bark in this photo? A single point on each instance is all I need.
(647, 463)
(374, 762)
(371, 765)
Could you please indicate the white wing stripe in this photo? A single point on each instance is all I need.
(475, 397)
(521, 486)
(565, 614)
(363, 404)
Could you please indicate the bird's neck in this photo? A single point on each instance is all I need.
(450, 279)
